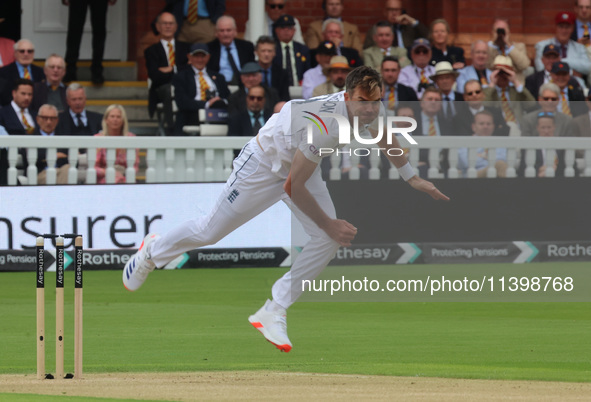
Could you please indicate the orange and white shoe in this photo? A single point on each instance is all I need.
(139, 265)
(272, 323)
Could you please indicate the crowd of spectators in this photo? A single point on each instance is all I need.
(200, 62)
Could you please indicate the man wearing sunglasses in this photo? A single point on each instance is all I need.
(273, 10)
(249, 121)
(474, 103)
(22, 67)
(549, 99)
(250, 77)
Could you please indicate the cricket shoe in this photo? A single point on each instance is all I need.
(139, 265)
(273, 326)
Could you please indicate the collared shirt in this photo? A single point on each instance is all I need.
(207, 79)
(82, 117)
(508, 50)
(225, 66)
(519, 89)
(312, 78)
(293, 61)
(165, 46)
(21, 70)
(425, 121)
(252, 119)
(411, 77)
(43, 133)
(474, 111)
(28, 116)
(3, 131)
(386, 51)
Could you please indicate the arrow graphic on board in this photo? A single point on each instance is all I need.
(528, 252)
(411, 253)
(177, 262)
(67, 261)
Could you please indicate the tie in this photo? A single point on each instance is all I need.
(26, 74)
(424, 79)
(563, 50)
(565, 106)
(192, 11)
(395, 41)
(483, 80)
(449, 108)
(203, 86)
(509, 116)
(392, 98)
(28, 128)
(235, 71)
(79, 123)
(432, 130)
(266, 76)
(171, 55)
(288, 68)
(257, 123)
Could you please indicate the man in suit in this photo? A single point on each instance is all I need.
(251, 77)
(76, 120)
(76, 19)
(570, 51)
(47, 121)
(582, 30)
(406, 28)
(533, 82)
(273, 10)
(228, 54)
(417, 74)
(478, 70)
(197, 88)
(273, 75)
(333, 9)
(336, 73)
(252, 116)
(315, 76)
(571, 96)
(583, 122)
(548, 100)
(445, 79)
(22, 67)
(292, 56)
(16, 117)
(196, 19)
(474, 103)
(163, 60)
(393, 92)
(332, 31)
(383, 37)
(52, 90)
(501, 44)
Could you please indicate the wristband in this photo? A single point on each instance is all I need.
(406, 172)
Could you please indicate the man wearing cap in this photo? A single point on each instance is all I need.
(273, 10)
(393, 92)
(479, 69)
(383, 37)
(229, 54)
(501, 44)
(333, 10)
(197, 87)
(251, 76)
(164, 59)
(332, 31)
(406, 28)
(315, 76)
(509, 93)
(548, 100)
(273, 75)
(582, 31)
(571, 95)
(248, 121)
(292, 56)
(417, 74)
(445, 78)
(570, 51)
(336, 73)
(533, 82)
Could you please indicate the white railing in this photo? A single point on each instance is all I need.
(203, 159)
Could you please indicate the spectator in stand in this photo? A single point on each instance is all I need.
(445, 79)
(3, 161)
(315, 76)
(478, 70)
(383, 37)
(273, 75)
(406, 28)
(336, 73)
(235, 53)
(442, 51)
(248, 120)
(333, 9)
(393, 92)
(196, 19)
(582, 30)
(548, 100)
(114, 124)
(77, 120)
(509, 94)
(570, 51)
(583, 123)
(571, 96)
(273, 10)
(291, 55)
(332, 31)
(417, 74)
(251, 77)
(501, 44)
(22, 67)
(163, 60)
(47, 120)
(474, 103)
(197, 88)
(52, 90)
(483, 126)
(533, 82)
(17, 118)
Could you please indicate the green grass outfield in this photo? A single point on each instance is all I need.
(196, 320)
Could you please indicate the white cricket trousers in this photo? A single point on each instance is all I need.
(251, 189)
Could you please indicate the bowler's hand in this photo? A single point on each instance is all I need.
(427, 187)
(341, 231)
